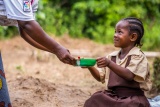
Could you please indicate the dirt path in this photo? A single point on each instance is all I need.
(38, 79)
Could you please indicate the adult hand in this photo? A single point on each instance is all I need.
(102, 62)
(64, 55)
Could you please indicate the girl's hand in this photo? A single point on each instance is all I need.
(102, 62)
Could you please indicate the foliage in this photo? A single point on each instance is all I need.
(7, 32)
(156, 74)
(95, 19)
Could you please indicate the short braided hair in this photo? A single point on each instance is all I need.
(135, 25)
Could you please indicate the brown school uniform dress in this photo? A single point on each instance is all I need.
(121, 92)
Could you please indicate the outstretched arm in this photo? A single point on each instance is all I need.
(35, 31)
(28, 39)
(95, 73)
(121, 71)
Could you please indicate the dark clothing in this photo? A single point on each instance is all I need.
(111, 99)
(123, 93)
(117, 81)
(4, 95)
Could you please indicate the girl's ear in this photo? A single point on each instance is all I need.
(133, 37)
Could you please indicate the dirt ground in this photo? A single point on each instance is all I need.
(38, 79)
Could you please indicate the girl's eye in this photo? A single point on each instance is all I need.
(120, 32)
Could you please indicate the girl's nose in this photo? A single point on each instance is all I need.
(115, 35)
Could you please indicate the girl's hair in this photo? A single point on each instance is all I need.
(135, 25)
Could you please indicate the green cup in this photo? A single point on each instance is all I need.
(86, 62)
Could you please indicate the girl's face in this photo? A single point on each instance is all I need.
(121, 36)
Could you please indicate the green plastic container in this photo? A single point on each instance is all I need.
(86, 62)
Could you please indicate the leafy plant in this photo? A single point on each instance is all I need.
(95, 19)
(156, 74)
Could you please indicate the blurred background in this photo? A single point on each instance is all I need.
(95, 19)
(86, 28)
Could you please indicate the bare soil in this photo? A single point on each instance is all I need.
(38, 79)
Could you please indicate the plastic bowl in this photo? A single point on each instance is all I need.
(85, 62)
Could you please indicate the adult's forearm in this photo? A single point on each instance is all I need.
(34, 30)
(28, 39)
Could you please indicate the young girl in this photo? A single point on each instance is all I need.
(127, 76)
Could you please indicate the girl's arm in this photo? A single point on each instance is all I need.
(121, 71)
(95, 73)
